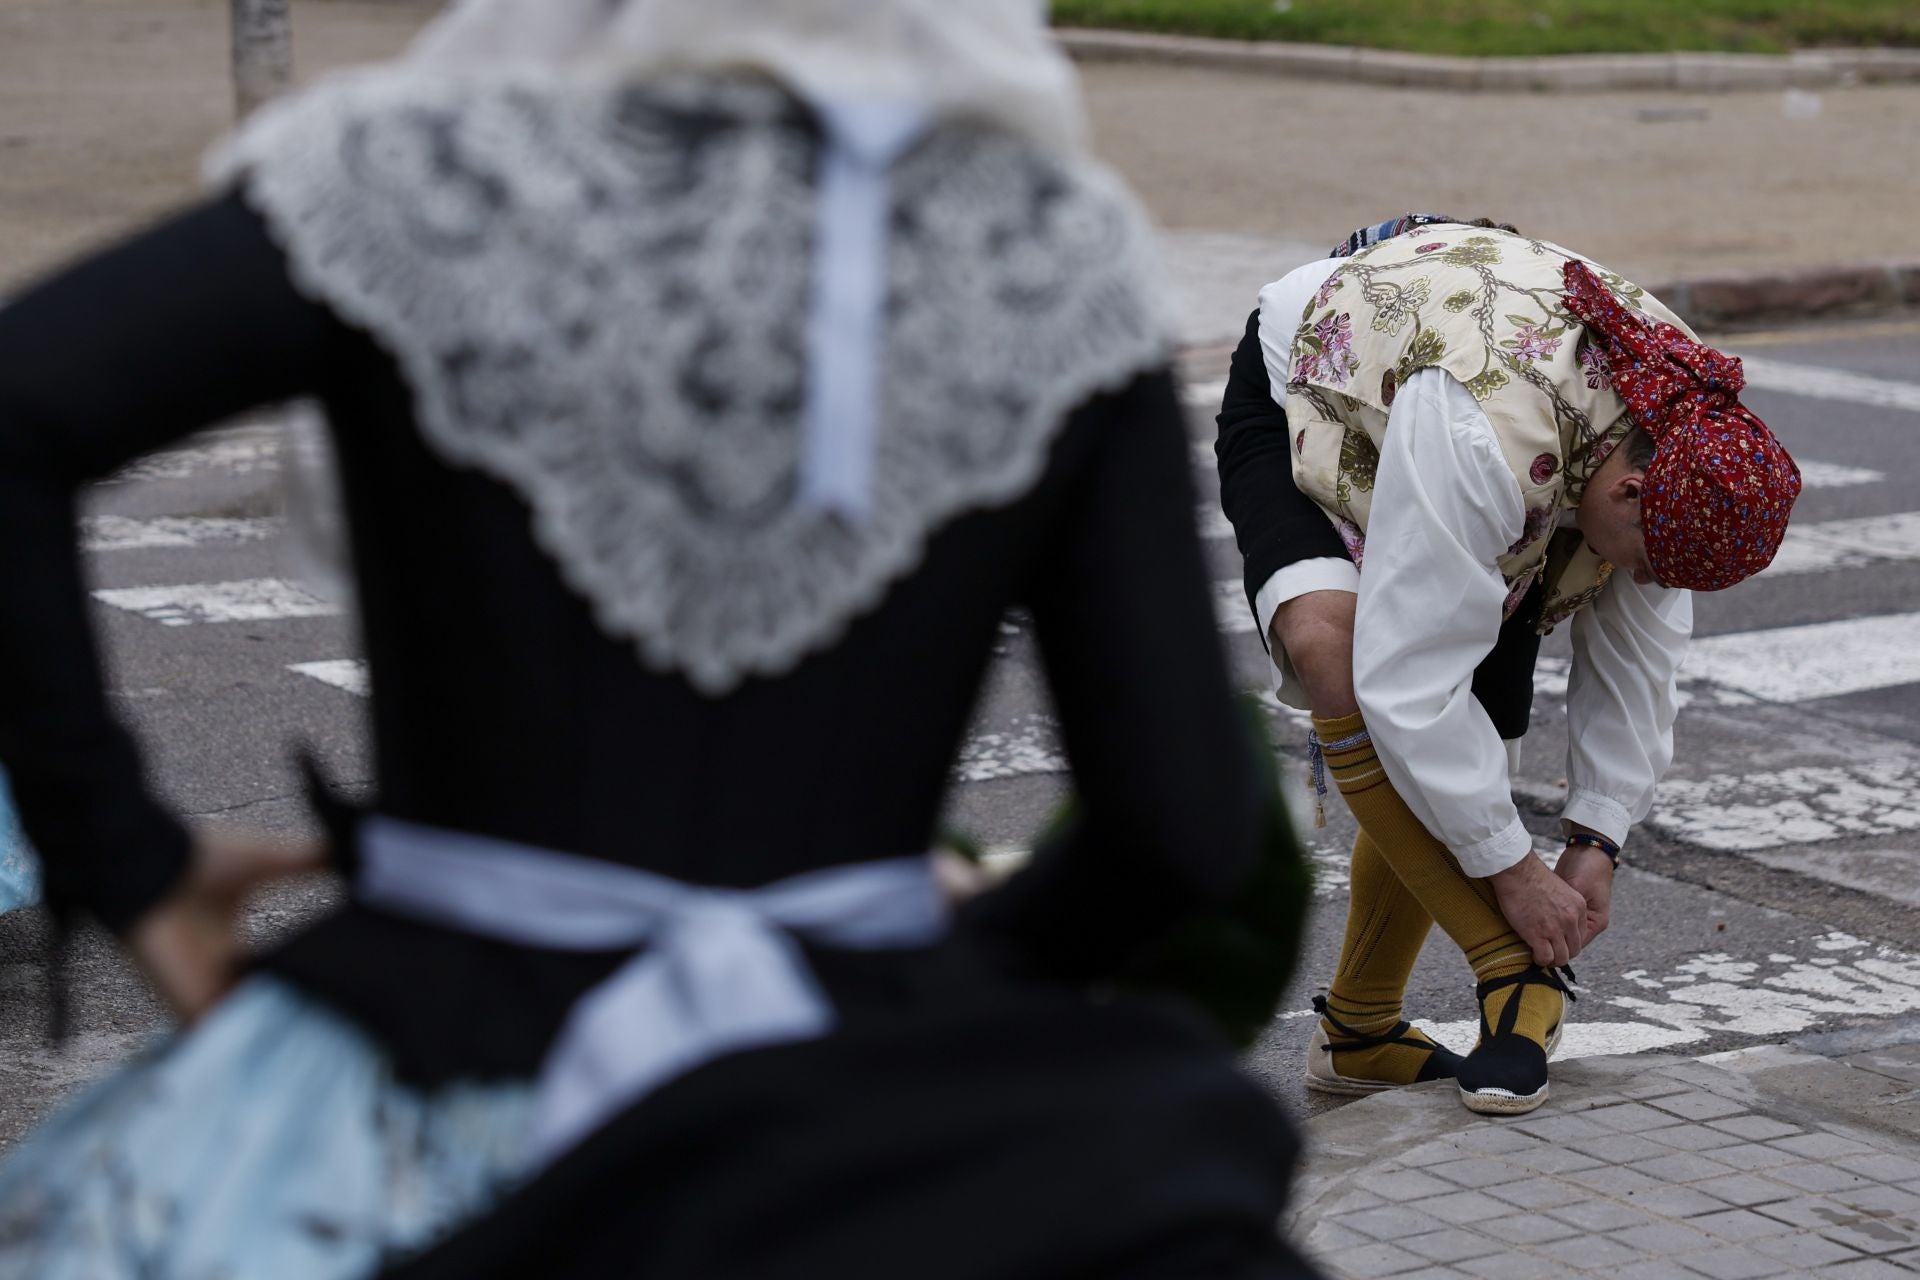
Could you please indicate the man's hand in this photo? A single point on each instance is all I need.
(1548, 913)
(189, 944)
(1590, 873)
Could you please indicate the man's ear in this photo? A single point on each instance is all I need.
(1629, 486)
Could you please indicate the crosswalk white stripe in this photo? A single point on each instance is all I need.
(1831, 384)
(1820, 660)
(1848, 544)
(1832, 475)
(237, 454)
(249, 600)
(349, 674)
(121, 533)
(1230, 607)
(1213, 521)
(1204, 395)
(1740, 813)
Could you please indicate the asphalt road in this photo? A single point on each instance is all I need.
(1772, 895)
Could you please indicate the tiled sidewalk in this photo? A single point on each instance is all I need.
(1638, 1169)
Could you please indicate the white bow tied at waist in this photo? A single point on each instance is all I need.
(721, 970)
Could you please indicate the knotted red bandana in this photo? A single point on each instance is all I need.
(1720, 487)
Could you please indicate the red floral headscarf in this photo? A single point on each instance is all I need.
(1720, 487)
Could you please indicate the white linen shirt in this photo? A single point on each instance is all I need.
(1446, 506)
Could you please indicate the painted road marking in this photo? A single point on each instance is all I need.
(1785, 664)
(1750, 811)
(250, 600)
(1848, 544)
(1205, 395)
(119, 533)
(349, 674)
(252, 450)
(1821, 660)
(1835, 978)
(1831, 384)
(1230, 607)
(1029, 747)
(1831, 475)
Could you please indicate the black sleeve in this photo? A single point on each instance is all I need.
(1273, 523)
(184, 325)
(1175, 812)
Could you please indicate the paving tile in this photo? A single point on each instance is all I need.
(1517, 1265)
(1879, 1201)
(1559, 1160)
(1734, 1263)
(1802, 1250)
(1746, 1190)
(1526, 1228)
(1864, 1269)
(1660, 1270)
(1758, 1128)
(1753, 1156)
(1909, 1261)
(1822, 1146)
(1539, 1193)
(1464, 1207)
(1620, 1148)
(1603, 1215)
(1663, 1238)
(1633, 1117)
(1558, 1127)
(1397, 1186)
(1681, 1166)
(1599, 1253)
(1809, 1213)
(1494, 1139)
(1587, 1102)
(1881, 1167)
(1819, 1178)
(1433, 1273)
(1695, 1137)
(1739, 1225)
(1698, 1105)
(1451, 1245)
(1476, 1172)
(1615, 1182)
(1390, 1222)
(1326, 1237)
(1379, 1259)
(1655, 1089)
(1683, 1202)
(1871, 1235)
(1353, 1199)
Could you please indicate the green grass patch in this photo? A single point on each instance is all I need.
(1511, 28)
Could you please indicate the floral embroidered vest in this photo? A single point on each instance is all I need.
(1487, 307)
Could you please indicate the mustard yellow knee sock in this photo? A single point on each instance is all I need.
(1386, 927)
(1464, 907)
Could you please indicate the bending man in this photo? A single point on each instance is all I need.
(1507, 438)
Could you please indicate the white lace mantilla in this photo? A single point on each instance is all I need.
(599, 296)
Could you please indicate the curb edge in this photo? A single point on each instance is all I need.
(1560, 73)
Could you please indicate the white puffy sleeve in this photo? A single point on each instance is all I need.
(1621, 701)
(1446, 507)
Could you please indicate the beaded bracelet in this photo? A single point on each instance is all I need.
(1592, 841)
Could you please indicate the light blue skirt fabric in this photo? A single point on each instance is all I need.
(270, 1141)
(19, 869)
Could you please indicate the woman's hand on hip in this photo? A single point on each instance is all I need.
(189, 945)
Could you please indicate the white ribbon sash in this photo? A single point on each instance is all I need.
(720, 972)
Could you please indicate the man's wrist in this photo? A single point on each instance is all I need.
(1594, 840)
